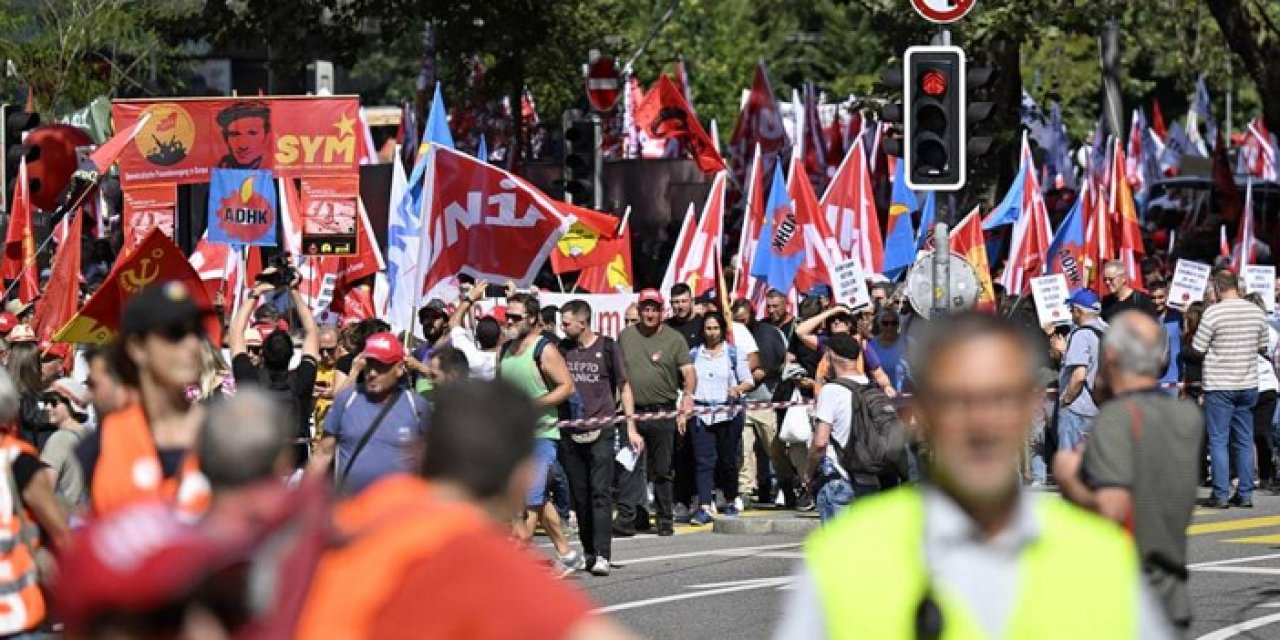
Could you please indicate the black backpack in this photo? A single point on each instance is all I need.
(877, 438)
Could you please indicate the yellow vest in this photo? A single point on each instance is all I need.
(1078, 579)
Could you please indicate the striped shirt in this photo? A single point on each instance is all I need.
(1231, 334)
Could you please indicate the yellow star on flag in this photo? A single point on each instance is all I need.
(345, 126)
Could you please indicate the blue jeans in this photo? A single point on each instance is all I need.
(544, 455)
(837, 493)
(716, 457)
(1229, 415)
(1072, 428)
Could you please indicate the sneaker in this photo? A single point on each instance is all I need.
(1210, 503)
(805, 503)
(666, 530)
(680, 510)
(1236, 501)
(701, 517)
(717, 500)
(600, 567)
(738, 506)
(730, 510)
(571, 562)
(624, 529)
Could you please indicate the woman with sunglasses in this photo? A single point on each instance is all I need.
(144, 451)
(839, 319)
(723, 377)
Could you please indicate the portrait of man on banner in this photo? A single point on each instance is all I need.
(242, 207)
(246, 130)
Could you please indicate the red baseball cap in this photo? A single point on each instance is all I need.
(7, 322)
(384, 347)
(650, 295)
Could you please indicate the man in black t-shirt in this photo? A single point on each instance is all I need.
(292, 388)
(1122, 297)
(683, 319)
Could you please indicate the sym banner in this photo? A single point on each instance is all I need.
(186, 138)
(608, 310)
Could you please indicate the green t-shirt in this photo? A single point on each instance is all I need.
(523, 371)
(653, 363)
(1157, 459)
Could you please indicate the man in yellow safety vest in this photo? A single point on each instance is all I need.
(969, 554)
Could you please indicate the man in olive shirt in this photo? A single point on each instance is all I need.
(658, 365)
(1139, 467)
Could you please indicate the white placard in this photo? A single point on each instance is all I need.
(1261, 279)
(608, 309)
(850, 285)
(1190, 279)
(1050, 294)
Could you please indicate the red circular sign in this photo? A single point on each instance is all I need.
(943, 11)
(603, 84)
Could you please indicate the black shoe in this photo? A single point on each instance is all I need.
(642, 520)
(1236, 501)
(622, 530)
(1210, 503)
(666, 530)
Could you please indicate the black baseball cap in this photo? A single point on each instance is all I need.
(160, 306)
(845, 346)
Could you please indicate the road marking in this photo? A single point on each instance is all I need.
(1267, 539)
(735, 552)
(1219, 563)
(1238, 629)
(1263, 571)
(744, 585)
(1232, 525)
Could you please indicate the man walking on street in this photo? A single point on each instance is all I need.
(1231, 335)
(1076, 405)
(831, 484)
(1139, 467)
(600, 378)
(532, 363)
(658, 365)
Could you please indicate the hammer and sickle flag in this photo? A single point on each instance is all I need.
(155, 260)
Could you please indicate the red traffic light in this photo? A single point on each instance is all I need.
(933, 83)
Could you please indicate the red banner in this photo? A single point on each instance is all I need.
(330, 211)
(147, 207)
(485, 222)
(184, 139)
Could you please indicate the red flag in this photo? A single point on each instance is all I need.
(20, 243)
(759, 126)
(485, 222)
(1125, 216)
(615, 275)
(62, 293)
(1246, 252)
(1157, 121)
(849, 207)
(665, 114)
(968, 241)
(1231, 202)
(700, 264)
(581, 246)
(752, 223)
(681, 249)
(1098, 242)
(821, 251)
(107, 153)
(156, 260)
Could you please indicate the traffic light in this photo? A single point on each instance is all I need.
(934, 118)
(892, 112)
(16, 124)
(979, 81)
(582, 161)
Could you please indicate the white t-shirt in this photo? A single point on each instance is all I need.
(483, 364)
(743, 341)
(717, 373)
(1267, 380)
(835, 407)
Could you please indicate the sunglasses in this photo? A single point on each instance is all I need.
(254, 350)
(52, 399)
(177, 331)
(633, 320)
(328, 351)
(513, 318)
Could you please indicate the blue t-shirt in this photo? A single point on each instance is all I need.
(389, 451)
(890, 355)
(1173, 327)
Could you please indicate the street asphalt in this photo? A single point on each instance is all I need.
(704, 584)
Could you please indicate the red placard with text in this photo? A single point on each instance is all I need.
(330, 214)
(147, 207)
(186, 138)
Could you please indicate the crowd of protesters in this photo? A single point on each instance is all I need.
(428, 455)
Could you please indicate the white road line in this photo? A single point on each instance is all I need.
(1262, 571)
(1216, 563)
(1239, 629)
(746, 586)
(732, 552)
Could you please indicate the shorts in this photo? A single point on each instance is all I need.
(544, 453)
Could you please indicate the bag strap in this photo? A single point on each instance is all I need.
(1097, 332)
(1135, 428)
(368, 435)
(854, 398)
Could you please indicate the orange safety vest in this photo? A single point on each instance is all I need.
(391, 525)
(128, 469)
(22, 604)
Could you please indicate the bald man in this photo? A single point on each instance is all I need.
(1140, 464)
(244, 440)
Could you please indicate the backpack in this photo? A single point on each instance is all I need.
(877, 438)
(1096, 332)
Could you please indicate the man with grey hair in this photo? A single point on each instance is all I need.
(1139, 467)
(243, 441)
(1121, 296)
